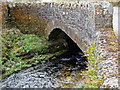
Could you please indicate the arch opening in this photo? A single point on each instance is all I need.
(74, 54)
(57, 34)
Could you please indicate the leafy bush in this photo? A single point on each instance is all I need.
(90, 75)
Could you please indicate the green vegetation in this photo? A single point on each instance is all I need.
(24, 50)
(90, 75)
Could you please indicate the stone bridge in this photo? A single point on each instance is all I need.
(79, 20)
(83, 22)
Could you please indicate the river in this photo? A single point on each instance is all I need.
(64, 72)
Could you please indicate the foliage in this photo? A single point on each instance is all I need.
(24, 50)
(90, 76)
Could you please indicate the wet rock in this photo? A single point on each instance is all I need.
(45, 75)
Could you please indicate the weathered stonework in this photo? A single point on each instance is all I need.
(81, 21)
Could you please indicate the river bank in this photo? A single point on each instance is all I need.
(52, 64)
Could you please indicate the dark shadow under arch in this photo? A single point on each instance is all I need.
(74, 55)
(57, 33)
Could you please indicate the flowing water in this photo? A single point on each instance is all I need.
(64, 72)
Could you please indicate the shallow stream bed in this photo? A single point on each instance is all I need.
(60, 73)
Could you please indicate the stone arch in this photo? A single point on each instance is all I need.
(82, 44)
